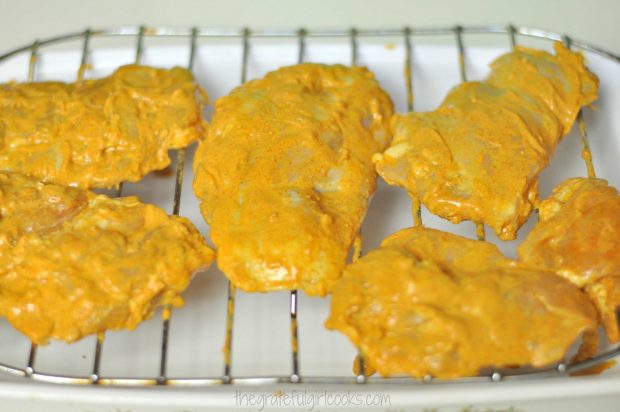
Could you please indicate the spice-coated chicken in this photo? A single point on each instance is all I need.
(98, 133)
(432, 303)
(478, 156)
(285, 174)
(577, 237)
(74, 263)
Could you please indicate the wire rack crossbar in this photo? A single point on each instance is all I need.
(512, 31)
(560, 369)
(245, 35)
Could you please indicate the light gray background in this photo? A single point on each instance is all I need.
(21, 21)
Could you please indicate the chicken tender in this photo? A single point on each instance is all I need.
(478, 156)
(98, 133)
(285, 174)
(432, 303)
(73, 263)
(577, 237)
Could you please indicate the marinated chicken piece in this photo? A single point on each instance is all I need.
(478, 156)
(73, 263)
(98, 133)
(577, 237)
(285, 174)
(432, 303)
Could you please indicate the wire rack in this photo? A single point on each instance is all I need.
(246, 35)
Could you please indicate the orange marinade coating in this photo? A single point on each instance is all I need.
(98, 133)
(432, 303)
(285, 174)
(577, 237)
(73, 263)
(478, 156)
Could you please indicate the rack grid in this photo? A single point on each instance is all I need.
(245, 35)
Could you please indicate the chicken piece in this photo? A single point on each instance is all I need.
(432, 303)
(73, 263)
(478, 156)
(98, 133)
(285, 174)
(577, 237)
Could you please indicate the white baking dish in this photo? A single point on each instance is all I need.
(261, 337)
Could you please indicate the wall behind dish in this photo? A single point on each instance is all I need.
(593, 21)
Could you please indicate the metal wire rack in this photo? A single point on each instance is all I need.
(245, 35)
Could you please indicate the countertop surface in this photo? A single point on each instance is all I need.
(23, 21)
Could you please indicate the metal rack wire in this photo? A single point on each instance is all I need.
(245, 35)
